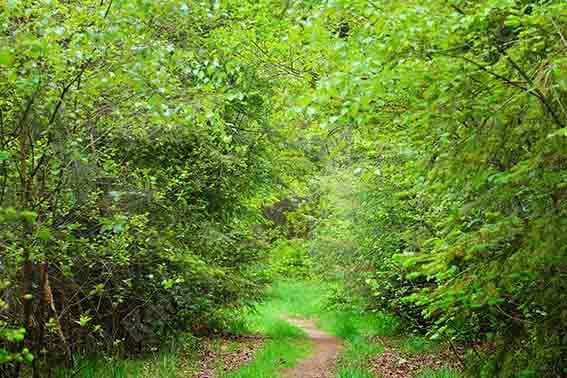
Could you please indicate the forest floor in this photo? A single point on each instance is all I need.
(293, 335)
(326, 348)
(304, 339)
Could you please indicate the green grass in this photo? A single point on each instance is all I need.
(355, 329)
(163, 365)
(277, 354)
(287, 344)
(308, 299)
(179, 355)
(354, 373)
(302, 298)
(348, 324)
(353, 361)
(416, 345)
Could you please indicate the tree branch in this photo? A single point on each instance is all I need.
(534, 89)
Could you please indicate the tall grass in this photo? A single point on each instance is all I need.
(178, 357)
(163, 366)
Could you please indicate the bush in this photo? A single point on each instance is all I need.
(290, 259)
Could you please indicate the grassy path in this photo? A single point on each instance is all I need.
(301, 338)
(287, 345)
(309, 340)
(322, 361)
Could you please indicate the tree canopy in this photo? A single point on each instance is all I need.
(162, 161)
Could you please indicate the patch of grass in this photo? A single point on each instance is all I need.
(108, 368)
(354, 373)
(349, 324)
(355, 329)
(180, 355)
(353, 361)
(301, 298)
(287, 345)
(163, 365)
(274, 356)
(166, 366)
(416, 345)
(439, 373)
(307, 299)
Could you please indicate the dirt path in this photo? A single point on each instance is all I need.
(321, 363)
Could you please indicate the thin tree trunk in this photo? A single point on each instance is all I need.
(27, 230)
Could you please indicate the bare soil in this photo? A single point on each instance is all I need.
(227, 355)
(326, 348)
(394, 363)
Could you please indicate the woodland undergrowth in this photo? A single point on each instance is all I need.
(162, 164)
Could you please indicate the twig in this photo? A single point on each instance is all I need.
(54, 114)
(534, 89)
(108, 9)
(559, 31)
(459, 10)
(456, 353)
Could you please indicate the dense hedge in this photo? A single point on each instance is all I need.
(132, 148)
(454, 114)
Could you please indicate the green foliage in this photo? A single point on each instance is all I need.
(290, 259)
(146, 146)
(447, 122)
(141, 143)
(11, 334)
(416, 345)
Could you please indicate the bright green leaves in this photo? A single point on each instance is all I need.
(140, 135)
(24, 356)
(559, 133)
(44, 234)
(84, 320)
(11, 335)
(6, 57)
(460, 107)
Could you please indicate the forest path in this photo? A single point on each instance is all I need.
(321, 363)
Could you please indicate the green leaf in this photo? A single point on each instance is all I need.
(559, 133)
(6, 57)
(44, 234)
